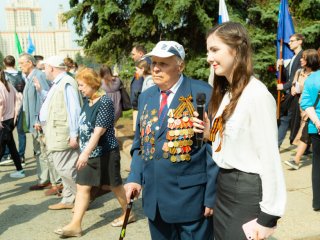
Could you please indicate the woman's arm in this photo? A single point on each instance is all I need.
(93, 142)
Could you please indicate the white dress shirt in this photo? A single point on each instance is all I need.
(250, 143)
(173, 90)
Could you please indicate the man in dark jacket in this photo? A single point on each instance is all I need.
(295, 44)
(136, 83)
(178, 178)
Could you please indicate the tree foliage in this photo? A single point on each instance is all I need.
(109, 28)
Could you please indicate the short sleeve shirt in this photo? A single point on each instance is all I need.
(101, 114)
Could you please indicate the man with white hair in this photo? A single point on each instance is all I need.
(59, 117)
(177, 176)
(31, 108)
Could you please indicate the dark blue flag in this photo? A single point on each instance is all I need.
(285, 30)
(31, 46)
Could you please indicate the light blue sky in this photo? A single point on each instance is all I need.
(48, 14)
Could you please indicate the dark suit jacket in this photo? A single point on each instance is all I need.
(289, 77)
(181, 190)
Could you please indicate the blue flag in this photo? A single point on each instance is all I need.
(31, 46)
(285, 30)
(223, 12)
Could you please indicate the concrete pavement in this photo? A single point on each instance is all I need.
(24, 214)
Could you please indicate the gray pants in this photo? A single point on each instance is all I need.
(65, 164)
(45, 170)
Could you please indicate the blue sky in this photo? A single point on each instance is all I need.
(49, 10)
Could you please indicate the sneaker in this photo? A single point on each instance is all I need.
(292, 164)
(6, 162)
(18, 174)
(23, 161)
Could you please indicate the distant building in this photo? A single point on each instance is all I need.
(24, 17)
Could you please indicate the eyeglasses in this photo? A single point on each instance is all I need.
(293, 40)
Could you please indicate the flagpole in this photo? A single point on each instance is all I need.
(279, 80)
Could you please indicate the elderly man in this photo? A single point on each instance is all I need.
(31, 107)
(59, 117)
(177, 177)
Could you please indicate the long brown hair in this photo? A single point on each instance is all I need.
(4, 80)
(236, 37)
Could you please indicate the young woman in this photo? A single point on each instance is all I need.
(143, 70)
(309, 63)
(99, 161)
(112, 87)
(250, 183)
(10, 103)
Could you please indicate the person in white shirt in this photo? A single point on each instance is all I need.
(250, 183)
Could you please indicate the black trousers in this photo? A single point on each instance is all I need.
(238, 197)
(9, 141)
(315, 139)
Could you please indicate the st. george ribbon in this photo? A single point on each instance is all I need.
(201, 101)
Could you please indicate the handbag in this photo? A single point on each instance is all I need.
(125, 98)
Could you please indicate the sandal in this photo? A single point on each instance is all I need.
(119, 222)
(67, 233)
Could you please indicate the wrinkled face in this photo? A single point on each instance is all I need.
(25, 65)
(85, 89)
(166, 71)
(136, 55)
(139, 72)
(220, 56)
(48, 70)
(294, 43)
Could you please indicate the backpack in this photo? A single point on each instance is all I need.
(16, 81)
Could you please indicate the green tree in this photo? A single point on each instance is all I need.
(109, 28)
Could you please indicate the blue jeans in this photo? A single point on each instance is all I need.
(21, 137)
(283, 128)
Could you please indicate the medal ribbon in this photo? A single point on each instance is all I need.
(185, 104)
(217, 127)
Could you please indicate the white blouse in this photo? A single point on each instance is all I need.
(250, 143)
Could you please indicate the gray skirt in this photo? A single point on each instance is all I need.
(237, 202)
(104, 170)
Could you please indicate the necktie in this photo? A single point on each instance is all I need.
(163, 105)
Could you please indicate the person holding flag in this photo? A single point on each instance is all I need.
(289, 46)
(295, 44)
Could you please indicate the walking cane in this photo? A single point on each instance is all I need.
(126, 218)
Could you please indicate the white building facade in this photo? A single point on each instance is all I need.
(24, 17)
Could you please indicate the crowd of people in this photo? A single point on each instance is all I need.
(229, 185)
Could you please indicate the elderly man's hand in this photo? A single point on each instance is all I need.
(132, 188)
(36, 83)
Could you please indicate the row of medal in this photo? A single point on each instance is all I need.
(179, 137)
(147, 134)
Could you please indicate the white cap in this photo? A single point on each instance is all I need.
(166, 49)
(55, 61)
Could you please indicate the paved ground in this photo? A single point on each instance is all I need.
(24, 214)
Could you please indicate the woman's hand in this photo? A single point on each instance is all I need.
(82, 160)
(200, 126)
(261, 232)
(293, 91)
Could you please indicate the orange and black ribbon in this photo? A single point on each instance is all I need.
(185, 104)
(216, 128)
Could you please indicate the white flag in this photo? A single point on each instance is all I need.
(223, 12)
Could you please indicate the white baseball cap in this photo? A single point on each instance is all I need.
(166, 49)
(55, 61)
